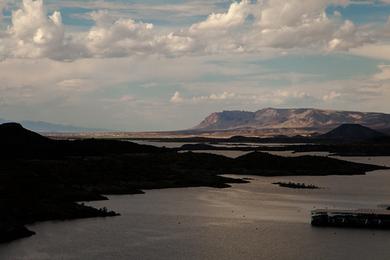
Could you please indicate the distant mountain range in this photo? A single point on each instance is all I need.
(45, 127)
(304, 119)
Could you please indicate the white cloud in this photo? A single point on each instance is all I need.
(119, 38)
(377, 51)
(292, 24)
(331, 96)
(235, 16)
(176, 98)
(245, 27)
(33, 34)
(259, 97)
(216, 97)
(347, 37)
(224, 96)
(384, 74)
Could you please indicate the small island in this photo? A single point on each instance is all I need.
(293, 185)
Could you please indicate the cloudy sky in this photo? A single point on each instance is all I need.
(159, 65)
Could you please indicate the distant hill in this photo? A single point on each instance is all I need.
(352, 132)
(45, 127)
(16, 141)
(303, 118)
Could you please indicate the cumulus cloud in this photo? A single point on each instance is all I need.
(348, 36)
(277, 24)
(119, 38)
(269, 97)
(176, 98)
(246, 26)
(34, 34)
(216, 97)
(331, 96)
(224, 96)
(291, 24)
(235, 16)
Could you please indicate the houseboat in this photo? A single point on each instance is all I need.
(364, 218)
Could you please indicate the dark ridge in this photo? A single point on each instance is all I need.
(46, 127)
(352, 132)
(17, 141)
(14, 134)
(259, 163)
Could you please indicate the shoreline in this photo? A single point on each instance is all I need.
(43, 179)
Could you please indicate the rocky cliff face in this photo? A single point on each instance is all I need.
(271, 118)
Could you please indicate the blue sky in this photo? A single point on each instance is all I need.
(162, 65)
(363, 13)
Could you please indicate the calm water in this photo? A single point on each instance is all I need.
(248, 221)
(179, 144)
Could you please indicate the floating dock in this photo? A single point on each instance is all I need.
(361, 218)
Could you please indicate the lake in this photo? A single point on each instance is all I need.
(257, 220)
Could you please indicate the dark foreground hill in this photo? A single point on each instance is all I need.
(345, 140)
(17, 141)
(43, 179)
(14, 134)
(46, 127)
(352, 132)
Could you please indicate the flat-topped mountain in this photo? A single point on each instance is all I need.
(352, 131)
(303, 118)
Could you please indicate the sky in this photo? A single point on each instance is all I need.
(166, 64)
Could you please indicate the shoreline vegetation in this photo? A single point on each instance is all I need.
(293, 185)
(43, 179)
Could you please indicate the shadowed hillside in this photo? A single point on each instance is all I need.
(352, 132)
(14, 134)
(18, 141)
